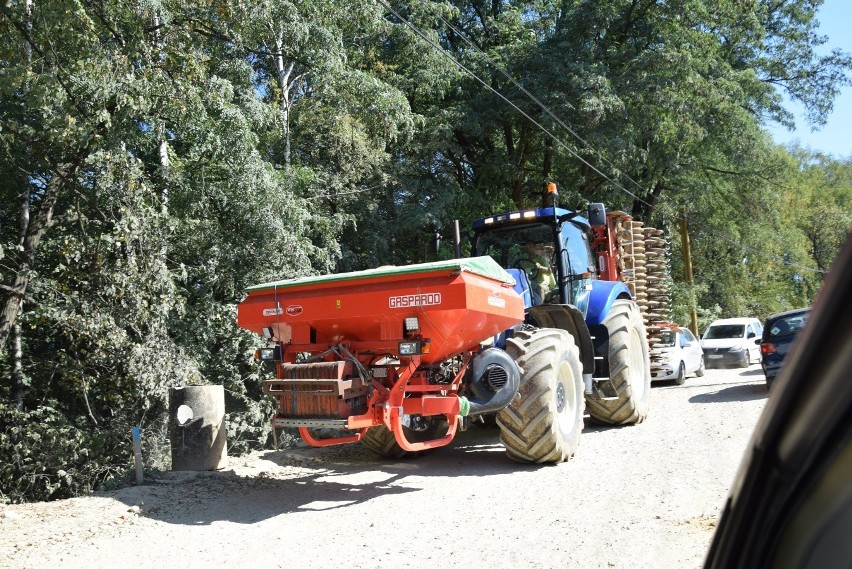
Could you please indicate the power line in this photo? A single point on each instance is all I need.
(542, 106)
(549, 113)
(461, 66)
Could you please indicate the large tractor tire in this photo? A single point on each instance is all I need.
(629, 369)
(382, 441)
(543, 423)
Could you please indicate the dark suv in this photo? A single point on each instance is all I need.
(779, 331)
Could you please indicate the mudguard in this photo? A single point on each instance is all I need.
(603, 294)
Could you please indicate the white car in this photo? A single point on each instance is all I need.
(675, 354)
(732, 342)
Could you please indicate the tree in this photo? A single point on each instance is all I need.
(155, 156)
(636, 96)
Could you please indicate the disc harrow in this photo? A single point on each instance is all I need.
(644, 260)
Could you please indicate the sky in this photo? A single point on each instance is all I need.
(835, 137)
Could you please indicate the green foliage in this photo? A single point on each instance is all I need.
(47, 457)
(156, 158)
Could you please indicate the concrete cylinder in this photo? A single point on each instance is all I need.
(197, 427)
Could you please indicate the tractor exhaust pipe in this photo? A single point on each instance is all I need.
(495, 381)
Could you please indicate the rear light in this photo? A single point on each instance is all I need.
(268, 354)
(409, 348)
(767, 348)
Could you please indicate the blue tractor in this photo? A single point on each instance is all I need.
(582, 347)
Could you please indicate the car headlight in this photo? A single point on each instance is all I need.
(736, 349)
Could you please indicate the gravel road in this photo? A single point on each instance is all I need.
(644, 496)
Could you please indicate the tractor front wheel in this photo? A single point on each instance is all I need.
(629, 368)
(544, 421)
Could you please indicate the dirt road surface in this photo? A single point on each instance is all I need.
(644, 496)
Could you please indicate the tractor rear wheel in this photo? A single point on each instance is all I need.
(544, 421)
(629, 368)
(382, 441)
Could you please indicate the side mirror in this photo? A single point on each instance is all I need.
(597, 215)
(436, 244)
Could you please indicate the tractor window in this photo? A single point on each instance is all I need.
(494, 250)
(528, 247)
(580, 257)
(508, 245)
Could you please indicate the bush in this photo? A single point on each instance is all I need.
(49, 457)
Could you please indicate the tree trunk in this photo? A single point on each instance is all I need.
(17, 366)
(284, 84)
(164, 166)
(23, 261)
(23, 226)
(643, 208)
(17, 346)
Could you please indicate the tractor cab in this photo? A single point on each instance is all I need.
(547, 250)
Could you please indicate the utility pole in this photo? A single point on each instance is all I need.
(687, 266)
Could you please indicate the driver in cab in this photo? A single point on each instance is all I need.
(536, 264)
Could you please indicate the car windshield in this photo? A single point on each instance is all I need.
(724, 331)
(667, 338)
(787, 325)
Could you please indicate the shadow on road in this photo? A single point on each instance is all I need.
(752, 370)
(710, 381)
(742, 391)
(305, 479)
(311, 479)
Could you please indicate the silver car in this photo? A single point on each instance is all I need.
(676, 354)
